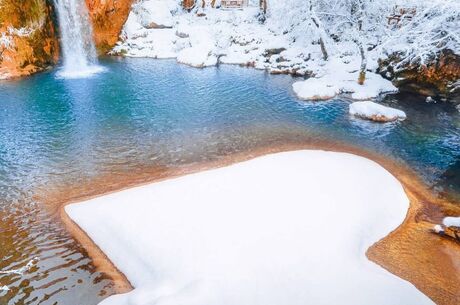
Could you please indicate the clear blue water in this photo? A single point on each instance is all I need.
(144, 113)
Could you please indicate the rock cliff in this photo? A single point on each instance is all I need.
(28, 40)
(438, 78)
(108, 18)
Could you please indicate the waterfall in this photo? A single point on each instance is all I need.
(79, 52)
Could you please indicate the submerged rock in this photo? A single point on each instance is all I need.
(450, 227)
(438, 78)
(28, 41)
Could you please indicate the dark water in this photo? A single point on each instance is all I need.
(143, 112)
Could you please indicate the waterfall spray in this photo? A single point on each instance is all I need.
(79, 52)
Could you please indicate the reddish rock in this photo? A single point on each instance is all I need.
(28, 41)
(108, 17)
(437, 78)
(449, 232)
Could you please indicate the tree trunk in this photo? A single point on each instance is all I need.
(263, 6)
(360, 11)
(188, 4)
(317, 23)
(362, 70)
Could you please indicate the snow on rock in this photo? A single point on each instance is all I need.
(376, 112)
(450, 227)
(316, 89)
(202, 52)
(274, 230)
(331, 85)
(154, 14)
(451, 222)
(341, 77)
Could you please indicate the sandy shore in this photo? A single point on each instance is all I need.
(412, 251)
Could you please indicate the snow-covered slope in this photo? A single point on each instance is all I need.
(289, 228)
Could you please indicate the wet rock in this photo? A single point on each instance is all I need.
(438, 78)
(449, 232)
(28, 41)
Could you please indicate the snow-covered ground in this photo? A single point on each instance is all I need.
(288, 41)
(376, 112)
(288, 228)
(238, 37)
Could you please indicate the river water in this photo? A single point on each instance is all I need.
(144, 113)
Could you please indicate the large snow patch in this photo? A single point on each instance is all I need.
(289, 228)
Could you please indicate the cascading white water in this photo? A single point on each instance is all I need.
(79, 52)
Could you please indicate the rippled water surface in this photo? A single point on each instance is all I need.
(144, 113)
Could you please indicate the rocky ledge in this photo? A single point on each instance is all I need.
(440, 77)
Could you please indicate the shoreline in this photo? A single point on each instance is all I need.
(432, 270)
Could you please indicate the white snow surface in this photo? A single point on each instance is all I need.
(374, 111)
(337, 79)
(285, 43)
(451, 222)
(288, 228)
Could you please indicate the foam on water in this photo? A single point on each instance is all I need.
(86, 72)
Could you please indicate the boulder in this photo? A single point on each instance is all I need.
(449, 232)
(375, 112)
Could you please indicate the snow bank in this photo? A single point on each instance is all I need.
(337, 79)
(201, 52)
(331, 85)
(376, 112)
(284, 228)
(451, 222)
(154, 14)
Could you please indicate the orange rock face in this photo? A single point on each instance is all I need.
(108, 18)
(433, 79)
(28, 41)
